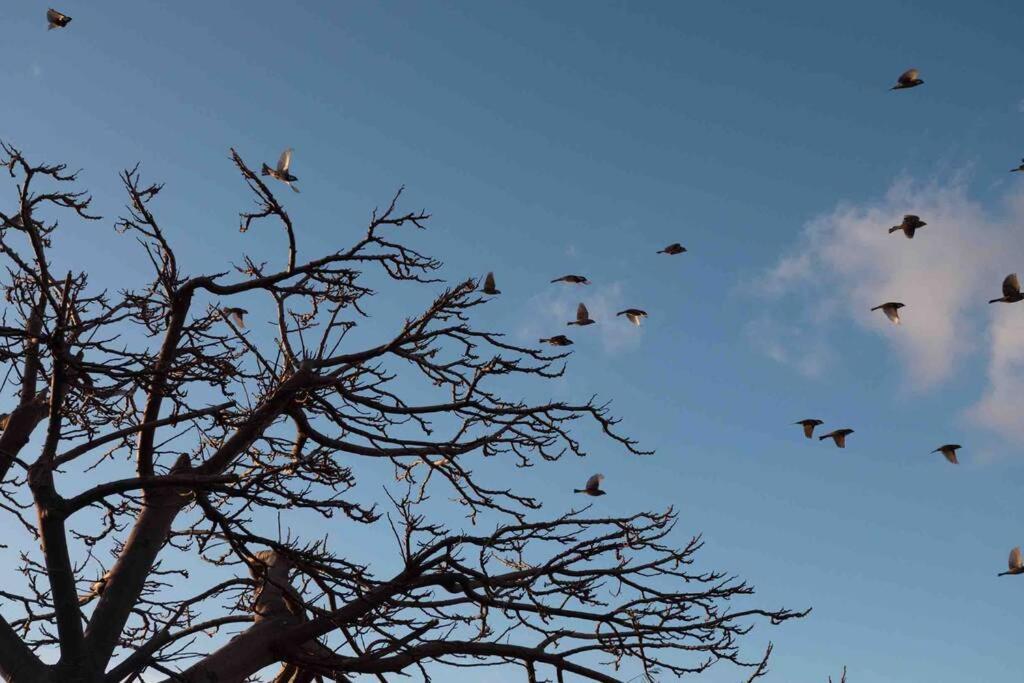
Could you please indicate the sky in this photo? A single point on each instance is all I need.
(548, 138)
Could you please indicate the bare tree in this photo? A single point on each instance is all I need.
(162, 444)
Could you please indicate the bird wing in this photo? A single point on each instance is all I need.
(1011, 285)
(53, 16)
(285, 161)
(909, 75)
(1015, 561)
(582, 313)
(594, 482)
(950, 455)
(892, 313)
(489, 281)
(840, 439)
(808, 429)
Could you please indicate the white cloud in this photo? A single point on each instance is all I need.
(847, 262)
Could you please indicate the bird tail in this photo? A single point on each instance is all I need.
(579, 490)
(541, 341)
(894, 229)
(822, 438)
(266, 170)
(992, 301)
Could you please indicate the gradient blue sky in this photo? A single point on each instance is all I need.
(583, 136)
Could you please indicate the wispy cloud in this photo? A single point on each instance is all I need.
(847, 262)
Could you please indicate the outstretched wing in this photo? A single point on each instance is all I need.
(285, 161)
(582, 313)
(594, 482)
(489, 282)
(1015, 561)
(1011, 285)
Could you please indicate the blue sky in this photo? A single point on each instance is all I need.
(582, 137)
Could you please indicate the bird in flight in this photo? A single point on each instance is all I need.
(236, 314)
(1011, 290)
(593, 487)
(909, 226)
(281, 172)
(489, 287)
(891, 310)
(809, 426)
(949, 450)
(582, 317)
(673, 249)
(908, 79)
(839, 436)
(557, 340)
(572, 280)
(634, 315)
(55, 19)
(1015, 564)
(1019, 168)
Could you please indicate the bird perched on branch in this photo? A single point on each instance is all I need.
(909, 226)
(55, 19)
(572, 280)
(1015, 564)
(593, 486)
(891, 310)
(282, 172)
(582, 317)
(634, 315)
(673, 249)
(489, 287)
(949, 450)
(839, 436)
(908, 79)
(1011, 290)
(809, 426)
(557, 340)
(236, 314)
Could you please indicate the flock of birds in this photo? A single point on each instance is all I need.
(909, 226)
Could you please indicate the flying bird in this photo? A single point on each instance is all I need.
(489, 287)
(809, 426)
(673, 249)
(236, 314)
(891, 310)
(1015, 564)
(907, 79)
(635, 315)
(1011, 290)
(1019, 168)
(281, 172)
(909, 226)
(55, 19)
(572, 280)
(557, 340)
(593, 487)
(839, 436)
(949, 450)
(582, 317)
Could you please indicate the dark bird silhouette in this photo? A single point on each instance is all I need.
(909, 226)
(593, 487)
(557, 340)
(572, 280)
(1011, 290)
(1015, 564)
(55, 19)
(582, 317)
(489, 287)
(673, 249)
(908, 79)
(236, 314)
(281, 172)
(891, 310)
(949, 450)
(1019, 168)
(634, 315)
(809, 426)
(839, 436)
